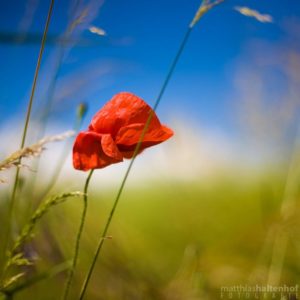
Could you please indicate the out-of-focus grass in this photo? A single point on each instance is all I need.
(170, 240)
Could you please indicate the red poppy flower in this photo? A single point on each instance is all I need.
(115, 131)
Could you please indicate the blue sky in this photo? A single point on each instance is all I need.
(142, 39)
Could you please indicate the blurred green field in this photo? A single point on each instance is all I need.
(172, 240)
(231, 216)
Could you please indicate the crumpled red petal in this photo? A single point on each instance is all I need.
(122, 110)
(129, 136)
(110, 148)
(93, 151)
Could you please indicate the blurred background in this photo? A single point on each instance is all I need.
(217, 205)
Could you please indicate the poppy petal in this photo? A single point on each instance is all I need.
(123, 109)
(89, 154)
(128, 137)
(110, 148)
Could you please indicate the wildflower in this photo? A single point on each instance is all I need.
(115, 131)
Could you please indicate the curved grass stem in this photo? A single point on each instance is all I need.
(78, 238)
(45, 111)
(136, 151)
(29, 108)
(137, 148)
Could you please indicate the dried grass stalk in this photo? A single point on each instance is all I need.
(248, 12)
(32, 151)
(205, 6)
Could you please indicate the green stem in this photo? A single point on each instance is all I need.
(29, 108)
(137, 148)
(78, 238)
(47, 107)
(46, 110)
(116, 201)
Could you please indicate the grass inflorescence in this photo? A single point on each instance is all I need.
(15, 256)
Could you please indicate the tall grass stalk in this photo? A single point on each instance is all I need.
(47, 107)
(78, 238)
(44, 115)
(204, 8)
(287, 210)
(29, 108)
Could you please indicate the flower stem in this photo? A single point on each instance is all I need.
(137, 148)
(29, 108)
(78, 238)
(116, 201)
